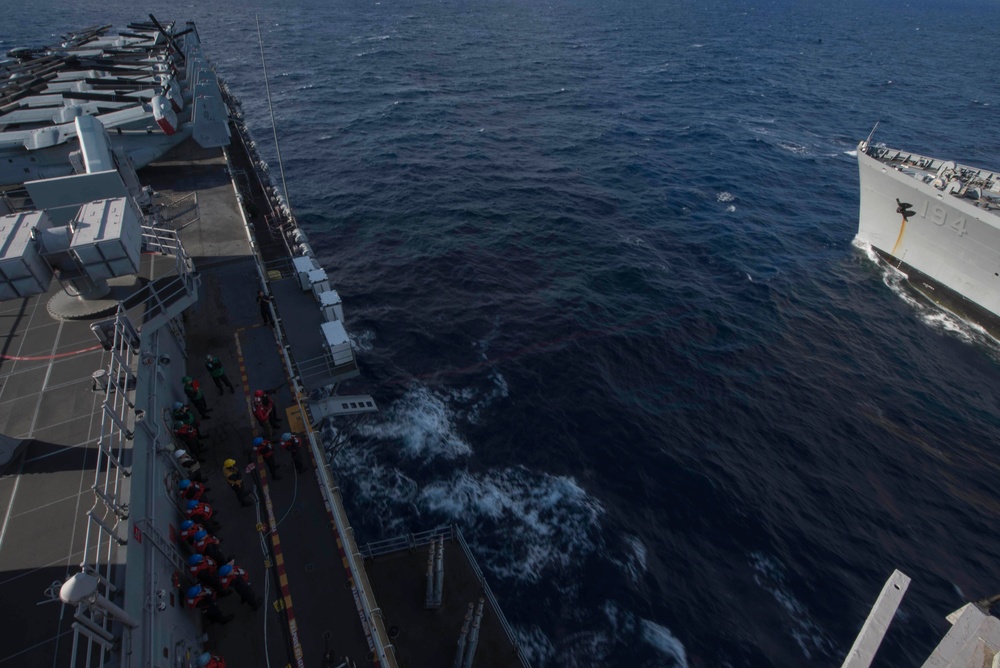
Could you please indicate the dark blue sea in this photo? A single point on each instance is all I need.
(597, 261)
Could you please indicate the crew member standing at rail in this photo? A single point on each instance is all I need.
(233, 576)
(265, 411)
(264, 302)
(206, 544)
(188, 435)
(189, 464)
(202, 513)
(235, 480)
(182, 413)
(205, 572)
(192, 490)
(293, 446)
(207, 660)
(263, 447)
(218, 373)
(192, 389)
(204, 599)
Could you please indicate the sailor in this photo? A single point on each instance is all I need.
(189, 464)
(218, 373)
(204, 570)
(192, 490)
(264, 302)
(183, 414)
(207, 660)
(189, 437)
(201, 512)
(188, 529)
(192, 389)
(234, 577)
(263, 447)
(204, 599)
(293, 445)
(208, 545)
(235, 480)
(265, 411)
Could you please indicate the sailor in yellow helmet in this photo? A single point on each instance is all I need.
(235, 480)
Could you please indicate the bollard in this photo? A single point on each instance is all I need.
(429, 598)
(460, 651)
(439, 574)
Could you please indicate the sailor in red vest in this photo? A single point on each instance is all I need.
(201, 512)
(204, 599)
(234, 577)
(208, 545)
(293, 445)
(192, 490)
(263, 447)
(207, 660)
(205, 572)
(188, 529)
(189, 436)
(265, 411)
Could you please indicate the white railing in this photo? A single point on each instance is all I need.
(110, 509)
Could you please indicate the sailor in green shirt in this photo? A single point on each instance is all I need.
(218, 372)
(192, 389)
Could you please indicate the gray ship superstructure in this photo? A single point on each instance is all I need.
(938, 222)
(116, 285)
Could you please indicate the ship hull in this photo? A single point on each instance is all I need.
(948, 247)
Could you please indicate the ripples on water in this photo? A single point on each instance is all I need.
(597, 259)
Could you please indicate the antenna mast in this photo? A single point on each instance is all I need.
(274, 127)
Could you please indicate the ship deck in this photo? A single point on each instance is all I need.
(50, 421)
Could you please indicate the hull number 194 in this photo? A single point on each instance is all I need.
(938, 215)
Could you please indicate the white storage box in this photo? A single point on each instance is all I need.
(303, 265)
(107, 237)
(331, 305)
(23, 271)
(337, 342)
(320, 283)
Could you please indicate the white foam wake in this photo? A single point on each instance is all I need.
(423, 426)
(770, 576)
(930, 314)
(664, 641)
(538, 521)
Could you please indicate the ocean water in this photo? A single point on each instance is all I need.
(597, 261)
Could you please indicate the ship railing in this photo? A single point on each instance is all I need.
(327, 369)
(93, 632)
(159, 302)
(278, 268)
(488, 593)
(410, 541)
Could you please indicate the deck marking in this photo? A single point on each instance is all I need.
(286, 597)
(36, 358)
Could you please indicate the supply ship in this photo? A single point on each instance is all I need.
(146, 251)
(937, 222)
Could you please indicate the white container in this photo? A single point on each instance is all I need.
(319, 282)
(107, 237)
(23, 271)
(333, 308)
(303, 265)
(337, 342)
